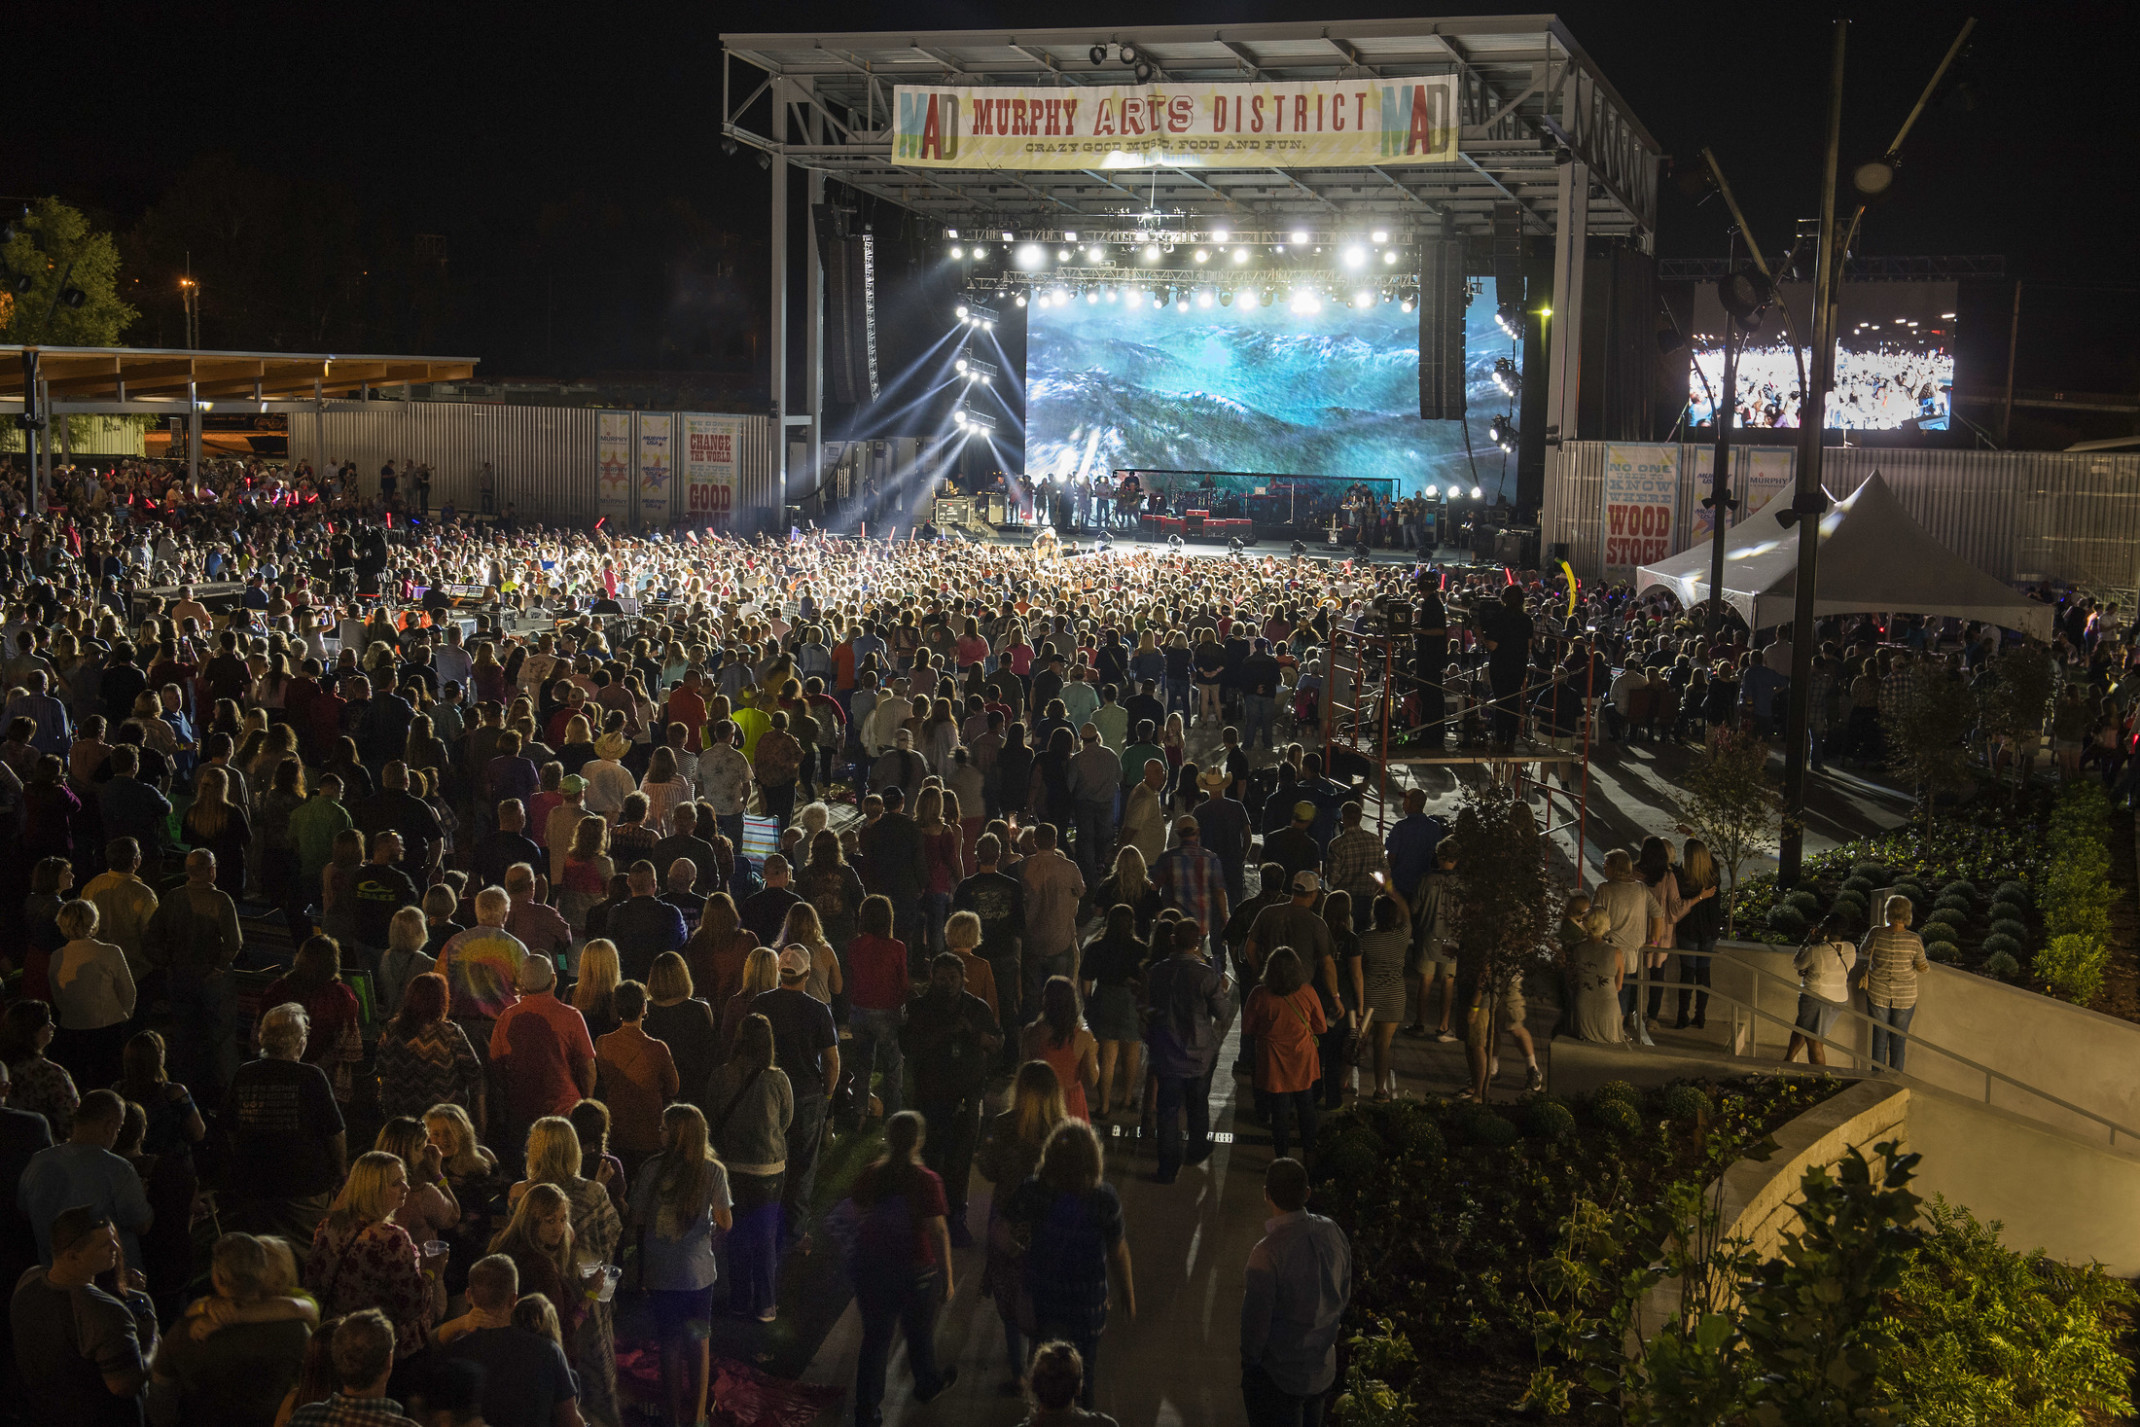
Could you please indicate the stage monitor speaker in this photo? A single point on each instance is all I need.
(1443, 295)
(849, 261)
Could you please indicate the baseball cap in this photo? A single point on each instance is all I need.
(1305, 881)
(1304, 811)
(794, 961)
(74, 1224)
(571, 783)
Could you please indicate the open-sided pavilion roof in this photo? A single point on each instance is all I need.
(78, 377)
(1529, 100)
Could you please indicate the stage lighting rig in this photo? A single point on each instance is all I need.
(972, 421)
(1509, 318)
(976, 370)
(1503, 433)
(1507, 376)
(973, 314)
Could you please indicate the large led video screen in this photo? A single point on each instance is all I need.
(1894, 359)
(1296, 388)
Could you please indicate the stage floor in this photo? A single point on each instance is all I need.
(1257, 550)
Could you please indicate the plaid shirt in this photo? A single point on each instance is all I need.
(1355, 856)
(1192, 878)
(340, 1411)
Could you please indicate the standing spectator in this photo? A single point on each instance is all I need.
(764, 911)
(540, 1053)
(334, 1042)
(1299, 1284)
(1893, 957)
(363, 1353)
(902, 1268)
(81, 1354)
(1057, 1035)
(22, 1135)
(997, 900)
(239, 1374)
(1432, 959)
(1356, 862)
(635, 1076)
(482, 967)
(676, 1204)
(808, 1046)
(362, 1257)
(83, 1170)
(877, 989)
(93, 991)
(525, 1376)
(407, 934)
(1637, 921)
(682, 1022)
(1191, 1002)
(287, 1146)
(1698, 930)
(895, 865)
(125, 903)
(426, 1060)
(1072, 1222)
(1286, 1017)
(1193, 879)
(645, 926)
(951, 1040)
(1054, 888)
(751, 1103)
(194, 937)
(554, 1158)
(1824, 964)
(1016, 1138)
(1095, 776)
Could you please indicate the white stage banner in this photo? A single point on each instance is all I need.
(656, 461)
(709, 466)
(1641, 497)
(613, 466)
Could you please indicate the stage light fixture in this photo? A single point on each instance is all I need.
(1062, 255)
(1269, 296)
(1219, 235)
(1299, 237)
(1203, 299)
(1477, 494)
(1009, 237)
(1380, 235)
(957, 251)
(1389, 257)
(1112, 294)
(1404, 304)
(1135, 298)
(1144, 72)
(1354, 256)
(1363, 299)
(1744, 293)
(951, 232)
(1151, 252)
(979, 251)
(1097, 54)
(1226, 298)
(1127, 54)
(1509, 318)
(1092, 295)
(1021, 299)
(1240, 255)
(960, 310)
(1503, 433)
(1095, 253)
(1202, 256)
(1305, 303)
(1069, 237)
(1030, 256)
(728, 147)
(976, 370)
(1507, 376)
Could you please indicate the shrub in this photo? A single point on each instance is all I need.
(2012, 892)
(1354, 1157)
(1617, 1116)
(2015, 907)
(1942, 951)
(1805, 903)
(1960, 886)
(1863, 886)
(1872, 873)
(1850, 906)
(1548, 1120)
(1952, 916)
(2071, 966)
(1787, 921)
(1686, 1102)
(2011, 926)
(1940, 933)
(1995, 944)
(1919, 898)
(1960, 906)
(1487, 1128)
(1418, 1136)
(2001, 965)
(1620, 1090)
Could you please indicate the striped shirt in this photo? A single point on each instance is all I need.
(1893, 956)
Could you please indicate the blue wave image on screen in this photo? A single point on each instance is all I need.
(1253, 388)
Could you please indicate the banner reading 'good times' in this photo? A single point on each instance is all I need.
(1318, 124)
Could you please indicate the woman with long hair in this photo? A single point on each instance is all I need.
(749, 1106)
(1130, 885)
(1700, 922)
(717, 949)
(1654, 867)
(664, 788)
(424, 1060)
(408, 933)
(587, 871)
(941, 856)
(682, 1022)
(761, 973)
(554, 1157)
(594, 993)
(431, 1211)
(538, 1238)
(280, 881)
(1209, 659)
(677, 1201)
(832, 886)
(902, 1267)
(338, 886)
(1383, 952)
(1051, 797)
(216, 823)
(1058, 1036)
(1286, 1018)
(1014, 772)
(802, 928)
(362, 1258)
(175, 1125)
(1016, 1137)
(1071, 1221)
(314, 981)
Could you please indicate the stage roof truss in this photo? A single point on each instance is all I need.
(1529, 99)
(160, 377)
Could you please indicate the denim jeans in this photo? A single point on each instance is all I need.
(1270, 1406)
(1095, 837)
(804, 1133)
(1889, 1045)
(1257, 712)
(935, 911)
(1177, 696)
(754, 1243)
(1176, 1092)
(876, 1046)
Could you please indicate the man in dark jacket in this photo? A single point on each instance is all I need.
(998, 899)
(894, 864)
(395, 809)
(1192, 1003)
(644, 926)
(950, 1040)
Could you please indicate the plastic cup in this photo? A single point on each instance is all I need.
(611, 1276)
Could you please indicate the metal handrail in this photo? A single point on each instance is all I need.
(1915, 1042)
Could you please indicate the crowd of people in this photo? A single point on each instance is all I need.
(611, 902)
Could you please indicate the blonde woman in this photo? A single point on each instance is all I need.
(678, 1200)
(594, 993)
(1699, 925)
(554, 1158)
(362, 1258)
(761, 973)
(663, 788)
(587, 872)
(217, 824)
(539, 1240)
(802, 928)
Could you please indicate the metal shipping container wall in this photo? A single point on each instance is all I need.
(544, 456)
(2021, 516)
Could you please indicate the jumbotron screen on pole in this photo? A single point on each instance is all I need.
(1303, 386)
(1894, 359)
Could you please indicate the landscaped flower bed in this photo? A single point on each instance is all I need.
(1452, 1206)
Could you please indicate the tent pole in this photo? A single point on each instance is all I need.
(1810, 501)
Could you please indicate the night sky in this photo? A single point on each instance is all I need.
(569, 156)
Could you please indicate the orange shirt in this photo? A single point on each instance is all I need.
(635, 1076)
(1285, 1028)
(981, 981)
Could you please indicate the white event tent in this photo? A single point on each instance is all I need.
(1873, 559)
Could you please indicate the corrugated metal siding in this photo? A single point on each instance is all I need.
(543, 455)
(2018, 515)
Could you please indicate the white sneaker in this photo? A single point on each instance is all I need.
(1535, 1079)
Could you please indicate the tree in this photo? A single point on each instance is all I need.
(2012, 708)
(1507, 903)
(1928, 738)
(55, 243)
(1731, 805)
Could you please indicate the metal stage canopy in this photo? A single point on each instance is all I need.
(1541, 137)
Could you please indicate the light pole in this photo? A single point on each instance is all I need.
(189, 296)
